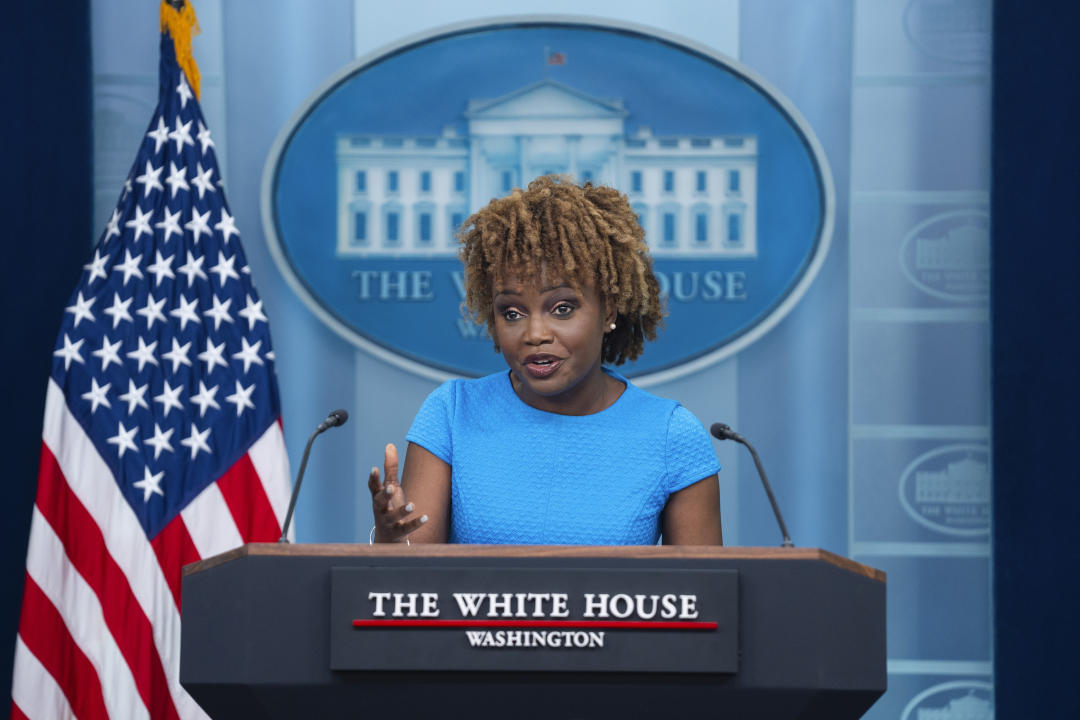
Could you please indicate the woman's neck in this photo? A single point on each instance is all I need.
(596, 392)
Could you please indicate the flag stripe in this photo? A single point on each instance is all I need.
(243, 492)
(174, 550)
(34, 691)
(17, 714)
(272, 464)
(81, 612)
(43, 632)
(210, 523)
(85, 547)
(92, 483)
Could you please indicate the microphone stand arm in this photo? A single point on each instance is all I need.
(300, 479)
(768, 488)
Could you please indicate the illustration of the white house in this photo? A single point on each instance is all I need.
(964, 481)
(968, 707)
(965, 247)
(696, 196)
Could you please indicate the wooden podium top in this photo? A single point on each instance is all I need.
(684, 552)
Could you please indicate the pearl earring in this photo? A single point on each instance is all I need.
(612, 326)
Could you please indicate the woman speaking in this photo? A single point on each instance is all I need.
(560, 448)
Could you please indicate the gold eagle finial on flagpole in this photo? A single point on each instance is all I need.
(178, 19)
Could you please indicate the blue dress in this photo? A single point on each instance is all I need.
(525, 476)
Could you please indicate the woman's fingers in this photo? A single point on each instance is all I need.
(390, 465)
(396, 525)
(387, 499)
(392, 513)
(389, 476)
(403, 527)
(373, 482)
(379, 494)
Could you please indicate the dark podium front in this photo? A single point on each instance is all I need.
(809, 627)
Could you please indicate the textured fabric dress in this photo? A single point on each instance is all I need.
(525, 476)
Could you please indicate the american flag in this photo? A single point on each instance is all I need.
(162, 442)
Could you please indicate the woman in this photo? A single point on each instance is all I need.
(559, 449)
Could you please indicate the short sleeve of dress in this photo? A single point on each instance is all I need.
(689, 453)
(431, 428)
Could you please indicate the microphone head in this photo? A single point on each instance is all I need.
(338, 418)
(720, 431)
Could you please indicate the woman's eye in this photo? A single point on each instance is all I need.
(563, 309)
(511, 314)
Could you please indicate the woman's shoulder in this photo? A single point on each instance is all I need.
(453, 404)
(641, 400)
(456, 391)
(478, 385)
(671, 413)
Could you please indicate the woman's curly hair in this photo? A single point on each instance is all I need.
(577, 233)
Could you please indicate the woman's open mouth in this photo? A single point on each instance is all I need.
(541, 366)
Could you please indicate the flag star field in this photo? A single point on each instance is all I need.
(193, 337)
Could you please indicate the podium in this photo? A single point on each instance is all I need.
(268, 632)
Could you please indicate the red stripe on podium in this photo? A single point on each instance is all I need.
(550, 624)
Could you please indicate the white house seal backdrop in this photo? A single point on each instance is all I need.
(366, 186)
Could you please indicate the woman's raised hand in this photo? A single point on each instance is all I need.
(394, 517)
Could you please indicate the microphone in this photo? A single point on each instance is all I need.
(337, 418)
(724, 432)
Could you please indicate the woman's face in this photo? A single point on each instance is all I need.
(551, 336)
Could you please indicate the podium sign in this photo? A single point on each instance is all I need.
(544, 619)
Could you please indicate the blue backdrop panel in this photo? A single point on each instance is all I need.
(937, 255)
(925, 373)
(919, 411)
(938, 608)
(942, 485)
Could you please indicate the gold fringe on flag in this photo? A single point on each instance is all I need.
(181, 26)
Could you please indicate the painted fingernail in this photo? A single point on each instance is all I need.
(423, 519)
(374, 470)
(389, 489)
(409, 507)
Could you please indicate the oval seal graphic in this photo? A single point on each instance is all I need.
(967, 699)
(366, 185)
(948, 490)
(948, 256)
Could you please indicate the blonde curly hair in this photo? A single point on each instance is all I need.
(580, 234)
